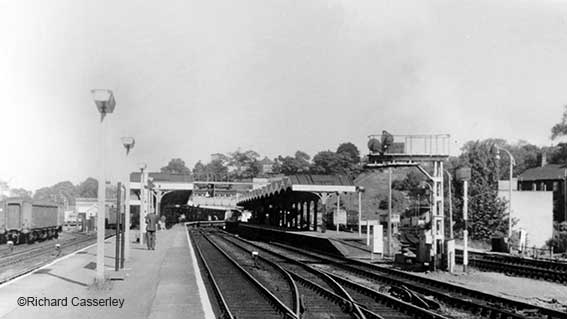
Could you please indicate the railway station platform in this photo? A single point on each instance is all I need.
(161, 283)
(341, 243)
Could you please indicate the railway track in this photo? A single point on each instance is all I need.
(270, 274)
(28, 260)
(238, 293)
(455, 298)
(320, 297)
(371, 303)
(516, 266)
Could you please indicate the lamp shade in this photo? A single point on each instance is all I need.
(128, 143)
(104, 100)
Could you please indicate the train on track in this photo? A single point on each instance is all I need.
(26, 221)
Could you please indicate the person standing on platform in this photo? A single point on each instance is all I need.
(151, 226)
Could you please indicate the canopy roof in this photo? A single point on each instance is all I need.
(302, 183)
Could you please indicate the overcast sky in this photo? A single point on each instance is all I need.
(193, 78)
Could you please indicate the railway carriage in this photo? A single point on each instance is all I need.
(26, 221)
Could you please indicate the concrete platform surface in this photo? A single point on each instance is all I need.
(159, 283)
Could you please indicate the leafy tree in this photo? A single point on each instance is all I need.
(559, 239)
(525, 155)
(199, 170)
(350, 149)
(560, 129)
(88, 188)
(216, 170)
(302, 157)
(487, 211)
(292, 165)
(244, 164)
(252, 170)
(4, 189)
(328, 162)
(412, 184)
(21, 192)
(176, 166)
(62, 192)
(558, 154)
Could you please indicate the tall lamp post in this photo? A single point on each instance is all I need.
(511, 168)
(128, 143)
(143, 201)
(105, 104)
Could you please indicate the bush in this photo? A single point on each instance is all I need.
(559, 239)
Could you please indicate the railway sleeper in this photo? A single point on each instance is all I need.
(388, 301)
(344, 304)
(446, 297)
(275, 303)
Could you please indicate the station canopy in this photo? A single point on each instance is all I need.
(301, 183)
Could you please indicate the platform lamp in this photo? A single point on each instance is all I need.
(128, 143)
(143, 199)
(511, 171)
(105, 104)
(464, 175)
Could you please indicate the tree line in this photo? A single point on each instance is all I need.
(244, 165)
(489, 217)
(64, 193)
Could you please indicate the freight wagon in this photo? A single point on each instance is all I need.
(26, 221)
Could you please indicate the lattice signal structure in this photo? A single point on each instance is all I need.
(387, 150)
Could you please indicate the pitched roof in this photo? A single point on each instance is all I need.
(308, 183)
(321, 180)
(548, 172)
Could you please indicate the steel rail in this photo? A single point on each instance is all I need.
(38, 265)
(391, 302)
(546, 270)
(346, 298)
(296, 302)
(225, 310)
(271, 298)
(407, 279)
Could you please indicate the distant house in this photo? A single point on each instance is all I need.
(548, 178)
(267, 165)
(89, 206)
